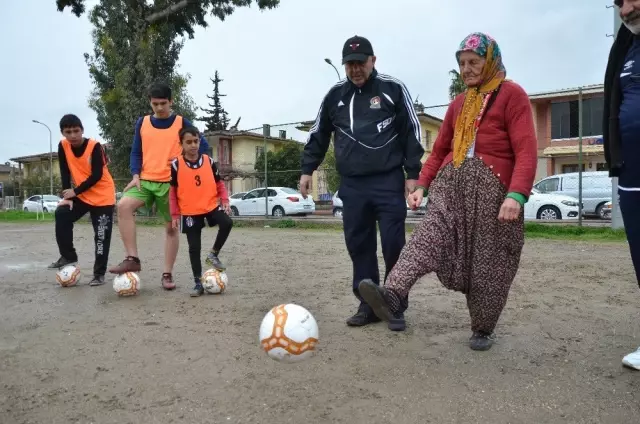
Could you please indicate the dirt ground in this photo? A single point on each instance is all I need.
(82, 355)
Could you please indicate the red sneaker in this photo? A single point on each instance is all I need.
(167, 281)
(129, 264)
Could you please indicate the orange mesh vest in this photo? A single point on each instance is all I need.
(102, 193)
(159, 148)
(197, 191)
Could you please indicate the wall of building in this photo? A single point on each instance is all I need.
(32, 168)
(560, 164)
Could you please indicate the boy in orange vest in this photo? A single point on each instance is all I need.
(83, 162)
(196, 196)
(156, 143)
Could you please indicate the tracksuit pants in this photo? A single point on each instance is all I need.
(102, 220)
(370, 201)
(630, 210)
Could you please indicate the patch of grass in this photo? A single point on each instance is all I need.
(21, 216)
(532, 229)
(573, 232)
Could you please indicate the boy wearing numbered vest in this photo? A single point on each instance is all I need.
(198, 197)
(83, 164)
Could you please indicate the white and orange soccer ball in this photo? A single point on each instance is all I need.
(215, 281)
(127, 284)
(68, 276)
(289, 333)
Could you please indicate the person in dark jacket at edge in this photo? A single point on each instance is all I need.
(376, 141)
(621, 130)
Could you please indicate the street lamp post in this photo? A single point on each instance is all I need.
(333, 66)
(50, 155)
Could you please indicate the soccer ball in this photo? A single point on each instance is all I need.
(68, 276)
(289, 333)
(127, 284)
(214, 281)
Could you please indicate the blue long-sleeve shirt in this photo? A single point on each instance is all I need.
(135, 160)
(629, 117)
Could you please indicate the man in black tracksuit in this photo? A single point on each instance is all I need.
(621, 129)
(376, 140)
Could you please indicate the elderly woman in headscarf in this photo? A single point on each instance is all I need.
(478, 178)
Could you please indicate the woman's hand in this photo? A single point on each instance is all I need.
(510, 210)
(415, 199)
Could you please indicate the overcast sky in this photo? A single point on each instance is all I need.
(272, 62)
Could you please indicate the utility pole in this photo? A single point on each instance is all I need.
(266, 132)
(35, 121)
(616, 216)
(334, 67)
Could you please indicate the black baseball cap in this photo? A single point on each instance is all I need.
(356, 48)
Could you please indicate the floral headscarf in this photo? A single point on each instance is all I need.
(479, 43)
(493, 74)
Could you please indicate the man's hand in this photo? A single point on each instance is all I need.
(409, 187)
(68, 194)
(226, 207)
(415, 199)
(175, 223)
(305, 185)
(510, 210)
(66, 202)
(135, 181)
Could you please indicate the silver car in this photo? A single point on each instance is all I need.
(596, 189)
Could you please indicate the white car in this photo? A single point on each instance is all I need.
(550, 206)
(337, 206)
(281, 201)
(38, 203)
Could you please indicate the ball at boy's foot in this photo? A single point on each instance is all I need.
(127, 284)
(68, 276)
(215, 281)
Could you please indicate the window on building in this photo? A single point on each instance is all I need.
(427, 139)
(572, 168)
(224, 155)
(602, 166)
(565, 122)
(259, 151)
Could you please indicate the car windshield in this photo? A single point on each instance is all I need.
(289, 190)
(49, 198)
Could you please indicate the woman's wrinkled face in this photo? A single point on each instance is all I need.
(471, 66)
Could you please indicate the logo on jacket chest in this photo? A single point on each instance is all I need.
(384, 124)
(375, 102)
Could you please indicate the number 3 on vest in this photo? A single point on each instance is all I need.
(198, 182)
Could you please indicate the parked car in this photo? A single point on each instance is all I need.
(41, 203)
(596, 189)
(550, 206)
(238, 195)
(281, 201)
(337, 206)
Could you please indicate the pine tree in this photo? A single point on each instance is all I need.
(456, 86)
(216, 119)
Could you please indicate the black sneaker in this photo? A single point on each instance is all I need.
(481, 340)
(212, 259)
(61, 262)
(397, 322)
(197, 290)
(98, 280)
(383, 304)
(363, 317)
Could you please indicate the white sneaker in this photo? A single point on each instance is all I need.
(632, 360)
